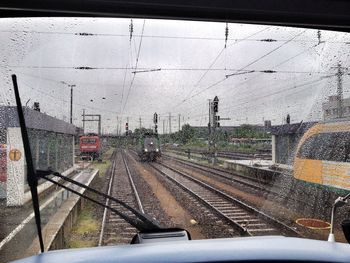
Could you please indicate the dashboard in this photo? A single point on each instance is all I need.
(247, 249)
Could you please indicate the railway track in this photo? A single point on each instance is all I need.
(258, 182)
(229, 155)
(114, 229)
(279, 192)
(242, 217)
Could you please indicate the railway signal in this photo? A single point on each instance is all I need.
(214, 123)
(126, 127)
(216, 104)
(155, 121)
(155, 118)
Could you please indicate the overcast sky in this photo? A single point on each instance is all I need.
(193, 63)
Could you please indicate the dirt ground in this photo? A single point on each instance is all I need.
(179, 216)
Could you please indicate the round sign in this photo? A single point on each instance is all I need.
(15, 155)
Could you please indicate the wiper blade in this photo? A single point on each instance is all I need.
(143, 223)
(31, 177)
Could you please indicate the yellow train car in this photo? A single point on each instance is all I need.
(323, 155)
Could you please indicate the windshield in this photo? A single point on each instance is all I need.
(222, 129)
(88, 140)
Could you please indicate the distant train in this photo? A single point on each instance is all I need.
(149, 147)
(323, 155)
(90, 145)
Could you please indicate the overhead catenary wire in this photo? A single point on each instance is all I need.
(279, 92)
(137, 60)
(218, 56)
(141, 70)
(85, 105)
(268, 53)
(249, 64)
(92, 34)
(280, 64)
(254, 99)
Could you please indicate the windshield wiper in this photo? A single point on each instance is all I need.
(143, 223)
(31, 177)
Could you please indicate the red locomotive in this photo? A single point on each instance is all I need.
(90, 145)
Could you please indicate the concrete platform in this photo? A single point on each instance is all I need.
(18, 229)
(263, 170)
(261, 163)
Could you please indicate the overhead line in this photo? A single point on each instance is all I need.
(268, 53)
(217, 57)
(121, 100)
(251, 63)
(279, 91)
(137, 60)
(141, 70)
(84, 105)
(89, 34)
(279, 64)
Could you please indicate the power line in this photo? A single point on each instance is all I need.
(121, 100)
(137, 60)
(268, 53)
(278, 92)
(279, 64)
(270, 94)
(89, 34)
(142, 70)
(84, 105)
(249, 64)
(217, 57)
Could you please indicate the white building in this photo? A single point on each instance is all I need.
(330, 108)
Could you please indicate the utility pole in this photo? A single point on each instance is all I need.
(179, 122)
(169, 123)
(71, 104)
(209, 130)
(99, 124)
(340, 91)
(71, 86)
(117, 125)
(164, 126)
(83, 121)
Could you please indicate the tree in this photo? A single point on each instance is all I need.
(186, 134)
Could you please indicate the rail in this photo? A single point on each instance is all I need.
(103, 224)
(233, 213)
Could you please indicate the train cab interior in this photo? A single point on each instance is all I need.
(154, 243)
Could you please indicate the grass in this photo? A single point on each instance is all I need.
(88, 224)
(103, 166)
(85, 230)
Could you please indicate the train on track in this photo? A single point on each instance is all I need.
(149, 147)
(90, 146)
(323, 155)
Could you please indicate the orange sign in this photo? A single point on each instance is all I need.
(15, 155)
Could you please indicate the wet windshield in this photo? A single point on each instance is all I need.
(222, 129)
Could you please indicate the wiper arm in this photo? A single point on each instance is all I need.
(31, 177)
(143, 223)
